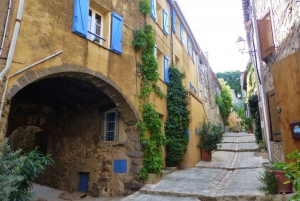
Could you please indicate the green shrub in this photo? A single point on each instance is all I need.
(268, 180)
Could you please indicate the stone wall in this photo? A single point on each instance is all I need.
(76, 146)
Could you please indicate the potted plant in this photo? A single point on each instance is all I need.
(274, 180)
(210, 136)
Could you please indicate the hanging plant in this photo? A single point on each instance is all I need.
(254, 112)
(178, 122)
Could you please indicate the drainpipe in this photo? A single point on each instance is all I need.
(14, 40)
(5, 27)
(261, 87)
(18, 72)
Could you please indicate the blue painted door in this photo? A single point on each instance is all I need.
(83, 181)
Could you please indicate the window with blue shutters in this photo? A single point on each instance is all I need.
(165, 22)
(173, 20)
(188, 45)
(181, 34)
(166, 68)
(153, 9)
(80, 17)
(116, 33)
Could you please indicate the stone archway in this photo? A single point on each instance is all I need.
(129, 148)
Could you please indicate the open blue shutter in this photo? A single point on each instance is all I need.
(181, 35)
(188, 134)
(153, 9)
(193, 54)
(191, 85)
(188, 45)
(166, 64)
(166, 22)
(174, 20)
(155, 51)
(80, 17)
(116, 33)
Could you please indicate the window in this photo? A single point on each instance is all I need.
(95, 26)
(98, 24)
(160, 61)
(165, 22)
(181, 34)
(153, 9)
(188, 45)
(173, 20)
(111, 125)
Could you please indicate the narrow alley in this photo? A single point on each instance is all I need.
(231, 175)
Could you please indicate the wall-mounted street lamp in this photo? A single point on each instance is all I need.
(241, 43)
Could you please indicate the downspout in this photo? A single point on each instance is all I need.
(14, 40)
(262, 92)
(18, 72)
(5, 27)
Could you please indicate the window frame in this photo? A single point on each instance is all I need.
(116, 126)
(92, 34)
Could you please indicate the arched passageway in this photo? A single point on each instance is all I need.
(88, 126)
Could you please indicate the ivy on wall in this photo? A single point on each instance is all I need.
(251, 82)
(178, 122)
(144, 41)
(254, 112)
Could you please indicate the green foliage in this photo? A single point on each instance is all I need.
(232, 78)
(245, 122)
(268, 180)
(255, 115)
(210, 135)
(292, 172)
(251, 82)
(9, 170)
(225, 100)
(144, 7)
(18, 172)
(178, 120)
(144, 41)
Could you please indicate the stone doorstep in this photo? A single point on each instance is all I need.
(240, 150)
(203, 197)
(230, 168)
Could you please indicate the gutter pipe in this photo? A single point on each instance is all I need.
(14, 40)
(5, 27)
(18, 72)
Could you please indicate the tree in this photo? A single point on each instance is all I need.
(232, 78)
(225, 100)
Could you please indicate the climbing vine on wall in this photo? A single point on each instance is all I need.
(144, 41)
(178, 122)
(254, 112)
(251, 82)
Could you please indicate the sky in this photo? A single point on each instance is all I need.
(216, 25)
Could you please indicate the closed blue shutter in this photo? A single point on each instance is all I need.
(174, 20)
(166, 22)
(80, 17)
(120, 166)
(188, 134)
(191, 86)
(193, 54)
(153, 9)
(166, 64)
(188, 45)
(116, 33)
(181, 35)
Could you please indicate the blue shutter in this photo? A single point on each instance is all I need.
(80, 17)
(116, 33)
(120, 166)
(181, 35)
(153, 9)
(196, 131)
(174, 20)
(166, 22)
(155, 51)
(166, 64)
(193, 54)
(188, 45)
(191, 86)
(188, 134)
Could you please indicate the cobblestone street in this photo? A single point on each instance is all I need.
(231, 175)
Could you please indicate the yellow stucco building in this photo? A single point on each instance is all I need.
(70, 84)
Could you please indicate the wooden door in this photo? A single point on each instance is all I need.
(274, 118)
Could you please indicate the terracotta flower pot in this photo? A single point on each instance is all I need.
(205, 155)
(282, 188)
